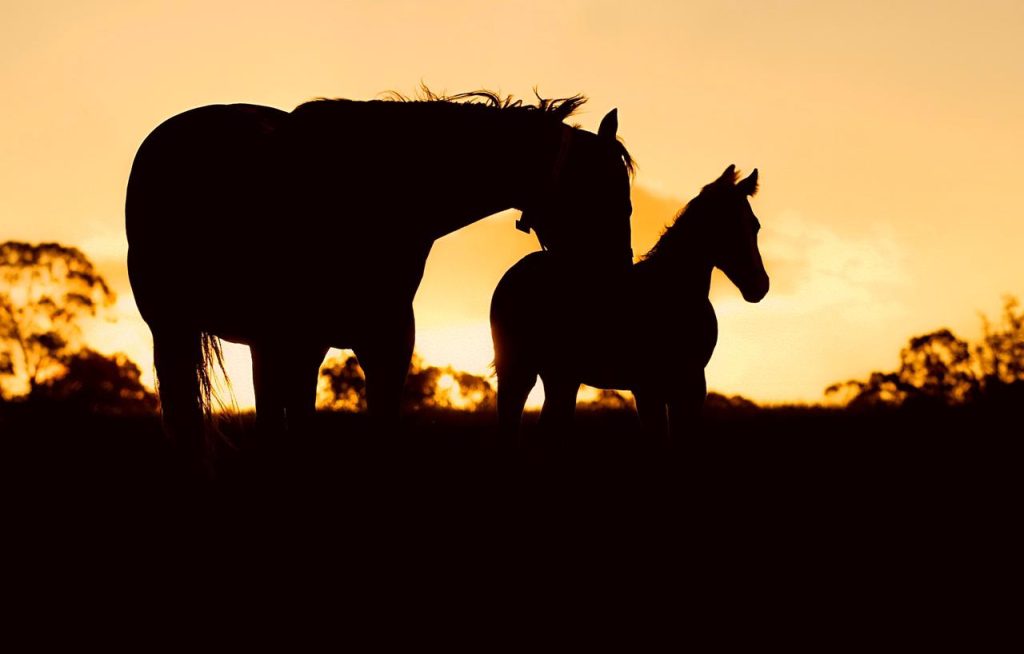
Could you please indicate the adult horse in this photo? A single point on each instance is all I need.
(296, 232)
(650, 331)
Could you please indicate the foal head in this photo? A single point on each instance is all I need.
(719, 227)
(732, 231)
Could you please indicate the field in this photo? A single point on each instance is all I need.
(790, 512)
(770, 467)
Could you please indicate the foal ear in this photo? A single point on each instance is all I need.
(609, 125)
(749, 185)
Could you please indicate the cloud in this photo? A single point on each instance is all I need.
(835, 297)
(815, 267)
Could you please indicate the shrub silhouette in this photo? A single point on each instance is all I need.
(96, 383)
(607, 398)
(343, 387)
(728, 404)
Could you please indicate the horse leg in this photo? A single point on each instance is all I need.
(302, 370)
(650, 407)
(684, 409)
(385, 362)
(177, 356)
(559, 406)
(267, 374)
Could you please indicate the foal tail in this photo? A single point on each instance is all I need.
(184, 368)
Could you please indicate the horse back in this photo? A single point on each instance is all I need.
(205, 162)
(202, 190)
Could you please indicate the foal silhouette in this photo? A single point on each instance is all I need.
(239, 218)
(650, 330)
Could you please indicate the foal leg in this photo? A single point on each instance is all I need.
(514, 386)
(684, 409)
(559, 408)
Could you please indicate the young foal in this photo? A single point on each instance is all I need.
(651, 332)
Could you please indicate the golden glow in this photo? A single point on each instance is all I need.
(887, 136)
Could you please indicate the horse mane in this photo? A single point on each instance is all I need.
(555, 109)
(673, 232)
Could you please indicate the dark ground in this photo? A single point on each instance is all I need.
(792, 510)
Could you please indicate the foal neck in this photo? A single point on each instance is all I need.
(682, 265)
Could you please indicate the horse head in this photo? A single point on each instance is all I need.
(583, 209)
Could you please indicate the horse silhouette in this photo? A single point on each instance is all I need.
(296, 232)
(650, 330)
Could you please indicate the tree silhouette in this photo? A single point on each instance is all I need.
(939, 368)
(1001, 352)
(934, 368)
(45, 292)
(343, 387)
(1001, 357)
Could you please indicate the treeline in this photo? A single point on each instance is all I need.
(940, 369)
(48, 290)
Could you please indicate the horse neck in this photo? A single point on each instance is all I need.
(497, 162)
(682, 267)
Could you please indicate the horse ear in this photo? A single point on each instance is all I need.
(729, 176)
(749, 185)
(609, 125)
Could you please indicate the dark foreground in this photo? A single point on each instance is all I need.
(761, 507)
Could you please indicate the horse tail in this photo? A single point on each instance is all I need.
(185, 362)
(211, 355)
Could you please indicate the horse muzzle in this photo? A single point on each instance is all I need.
(755, 292)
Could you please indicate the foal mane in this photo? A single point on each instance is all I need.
(555, 110)
(675, 233)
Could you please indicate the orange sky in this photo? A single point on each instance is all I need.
(887, 135)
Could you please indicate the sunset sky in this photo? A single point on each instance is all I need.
(888, 136)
